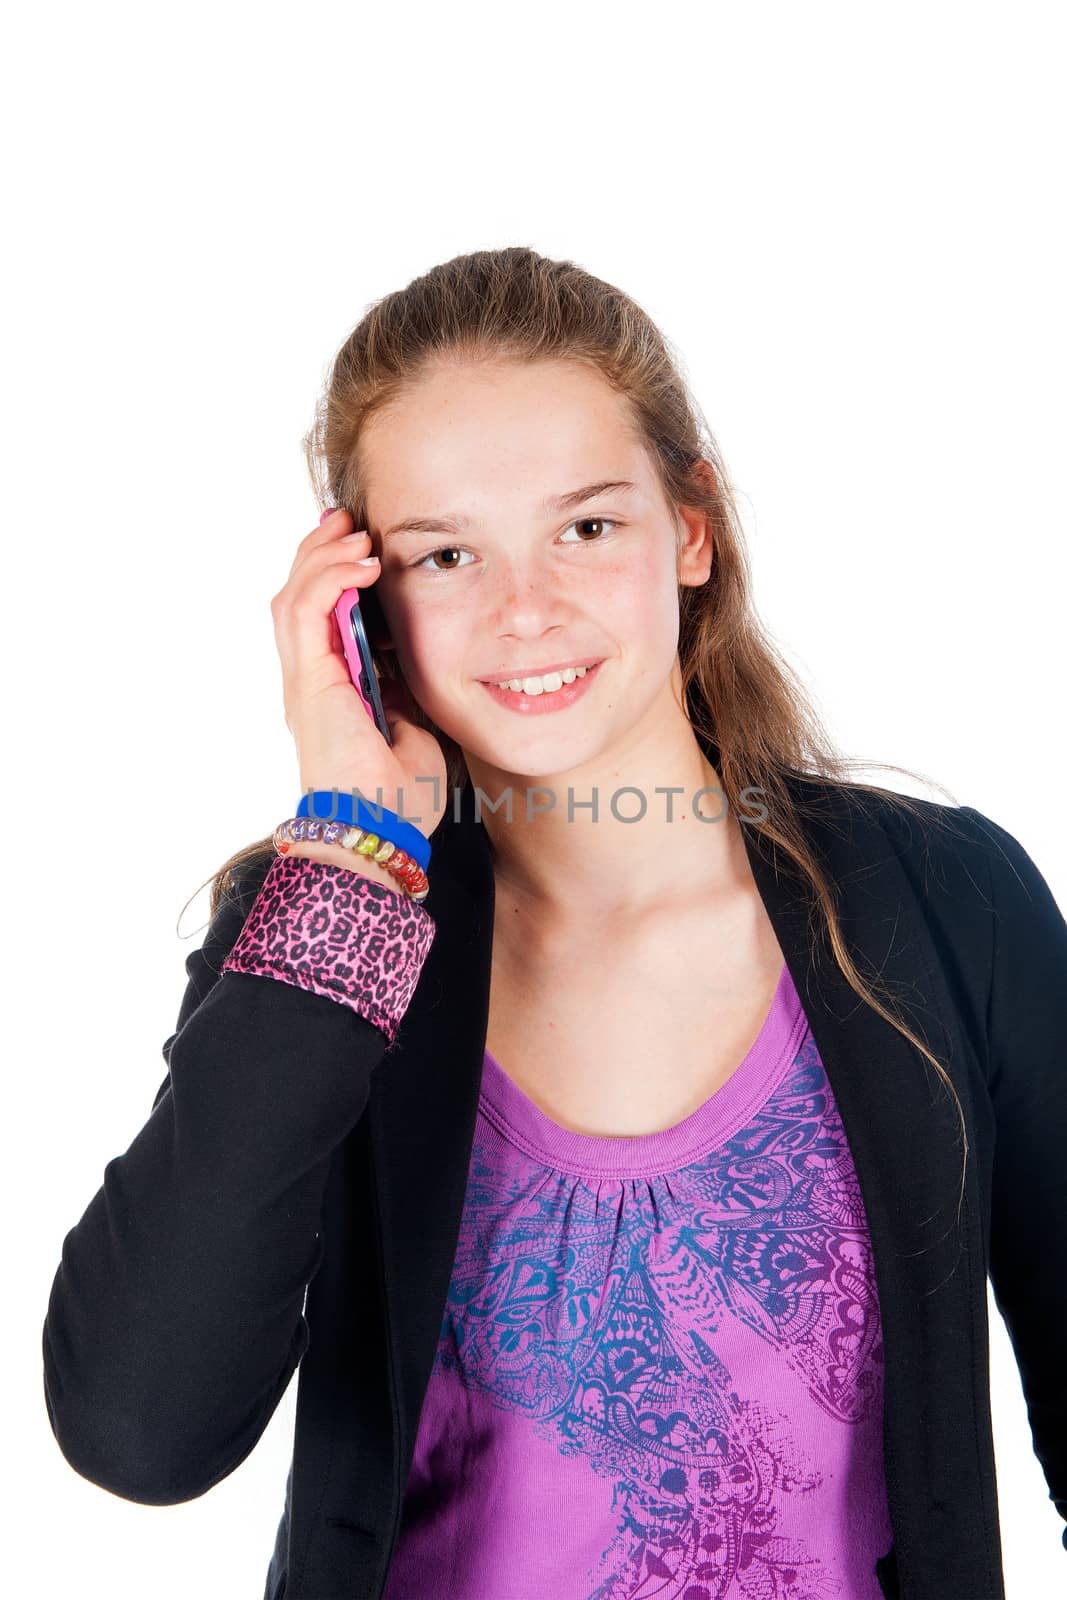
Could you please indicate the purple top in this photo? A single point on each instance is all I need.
(659, 1374)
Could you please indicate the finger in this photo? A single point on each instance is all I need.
(305, 622)
(333, 530)
(335, 552)
(333, 524)
(316, 591)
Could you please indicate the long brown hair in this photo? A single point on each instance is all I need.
(740, 693)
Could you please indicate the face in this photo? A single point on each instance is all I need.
(519, 585)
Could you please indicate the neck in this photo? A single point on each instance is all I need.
(579, 860)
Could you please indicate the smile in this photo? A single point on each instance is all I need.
(555, 691)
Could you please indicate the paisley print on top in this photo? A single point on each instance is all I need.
(705, 1340)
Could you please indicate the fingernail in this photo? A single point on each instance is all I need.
(328, 513)
(366, 561)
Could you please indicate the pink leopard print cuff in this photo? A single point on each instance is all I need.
(338, 933)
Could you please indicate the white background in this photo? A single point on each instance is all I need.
(848, 220)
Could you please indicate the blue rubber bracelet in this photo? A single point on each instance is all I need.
(337, 805)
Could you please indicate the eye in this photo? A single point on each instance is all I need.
(600, 520)
(452, 549)
(445, 549)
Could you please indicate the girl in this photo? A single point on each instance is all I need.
(636, 1157)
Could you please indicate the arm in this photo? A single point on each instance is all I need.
(1027, 1030)
(175, 1320)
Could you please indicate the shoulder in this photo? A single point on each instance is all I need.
(851, 818)
(988, 910)
(1023, 904)
(953, 845)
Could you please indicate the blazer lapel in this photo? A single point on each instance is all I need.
(903, 1132)
(423, 1111)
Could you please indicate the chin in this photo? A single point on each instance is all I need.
(535, 763)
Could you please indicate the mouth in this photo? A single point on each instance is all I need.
(543, 672)
(548, 699)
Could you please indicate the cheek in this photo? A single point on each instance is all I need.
(642, 603)
(427, 648)
(403, 620)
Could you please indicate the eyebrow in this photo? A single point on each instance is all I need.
(454, 522)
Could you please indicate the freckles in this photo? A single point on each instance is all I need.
(614, 581)
(624, 587)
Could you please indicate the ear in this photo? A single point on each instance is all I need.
(695, 539)
(694, 546)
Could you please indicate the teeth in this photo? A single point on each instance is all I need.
(546, 685)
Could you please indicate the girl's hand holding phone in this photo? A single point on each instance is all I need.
(338, 745)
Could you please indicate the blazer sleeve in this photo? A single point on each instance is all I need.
(1027, 1031)
(175, 1319)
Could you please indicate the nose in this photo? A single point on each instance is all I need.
(529, 608)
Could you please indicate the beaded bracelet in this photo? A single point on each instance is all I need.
(375, 831)
(410, 875)
(338, 806)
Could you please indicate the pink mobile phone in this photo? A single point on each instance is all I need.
(357, 654)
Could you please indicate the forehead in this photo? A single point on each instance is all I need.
(498, 427)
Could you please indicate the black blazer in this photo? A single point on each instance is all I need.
(290, 1148)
